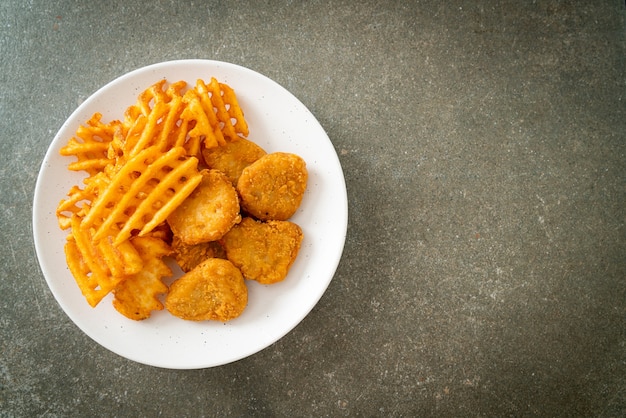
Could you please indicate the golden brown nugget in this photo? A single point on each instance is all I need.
(272, 187)
(214, 290)
(189, 256)
(233, 157)
(263, 251)
(209, 211)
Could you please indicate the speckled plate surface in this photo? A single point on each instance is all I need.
(278, 121)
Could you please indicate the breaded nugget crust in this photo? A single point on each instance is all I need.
(209, 212)
(213, 290)
(272, 187)
(189, 256)
(233, 157)
(263, 251)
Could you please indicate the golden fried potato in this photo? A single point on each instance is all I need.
(143, 193)
(209, 212)
(189, 256)
(272, 187)
(263, 251)
(90, 145)
(233, 157)
(138, 295)
(214, 290)
(223, 112)
(98, 267)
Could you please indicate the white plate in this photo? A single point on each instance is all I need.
(278, 121)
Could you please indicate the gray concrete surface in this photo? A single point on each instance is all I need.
(483, 145)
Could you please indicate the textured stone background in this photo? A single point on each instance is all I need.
(484, 150)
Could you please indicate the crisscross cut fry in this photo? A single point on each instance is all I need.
(143, 193)
(137, 296)
(155, 119)
(98, 268)
(79, 200)
(207, 114)
(91, 144)
(94, 285)
(222, 108)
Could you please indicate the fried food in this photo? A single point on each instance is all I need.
(137, 296)
(213, 112)
(209, 212)
(146, 197)
(140, 196)
(98, 267)
(272, 187)
(219, 100)
(189, 256)
(79, 200)
(213, 290)
(90, 145)
(153, 121)
(232, 157)
(263, 251)
(208, 114)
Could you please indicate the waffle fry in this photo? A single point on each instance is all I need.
(221, 108)
(203, 122)
(79, 200)
(70, 206)
(94, 285)
(90, 146)
(205, 115)
(150, 132)
(154, 119)
(137, 296)
(97, 269)
(143, 193)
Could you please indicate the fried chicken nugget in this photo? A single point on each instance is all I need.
(213, 290)
(209, 211)
(263, 251)
(189, 256)
(272, 187)
(233, 157)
